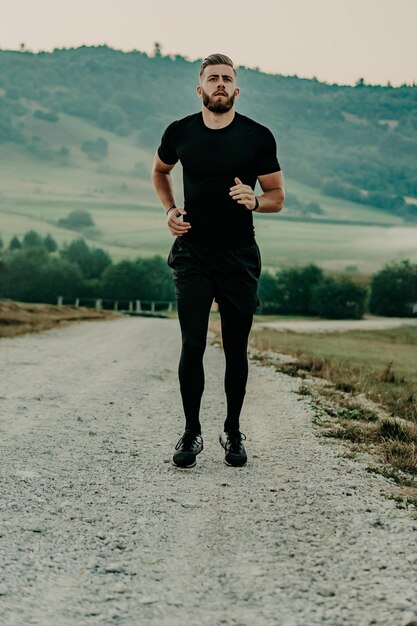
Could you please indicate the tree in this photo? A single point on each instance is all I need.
(32, 239)
(157, 49)
(77, 220)
(339, 299)
(290, 290)
(96, 150)
(91, 261)
(14, 244)
(31, 275)
(394, 289)
(112, 118)
(50, 243)
(143, 279)
(121, 281)
(1, 244)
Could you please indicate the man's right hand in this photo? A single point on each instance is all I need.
(177, 226)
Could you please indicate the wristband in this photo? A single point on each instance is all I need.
(256, 205)
(172, 206)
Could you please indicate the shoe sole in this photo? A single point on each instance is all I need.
(184, 466)
(231, 464)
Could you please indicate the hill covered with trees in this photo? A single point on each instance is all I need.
(357, 143)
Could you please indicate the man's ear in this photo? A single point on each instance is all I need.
(199, 91)
(237, 93)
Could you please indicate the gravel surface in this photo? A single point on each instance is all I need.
(97, 526)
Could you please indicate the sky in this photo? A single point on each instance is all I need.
(337, 41)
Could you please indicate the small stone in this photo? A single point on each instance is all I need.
(411, 558)
(115, 568)
(326, 591)
(246, 596)
(101, 535)
(190, 505)
(118, 588)
(34, 527)
(402, 605)
(3, 589)
(147, 600)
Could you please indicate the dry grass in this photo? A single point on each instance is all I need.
(380, 364)
(17, 318)
(363, 387)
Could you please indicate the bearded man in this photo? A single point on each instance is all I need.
(215, 254)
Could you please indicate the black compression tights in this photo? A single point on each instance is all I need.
(193, 316)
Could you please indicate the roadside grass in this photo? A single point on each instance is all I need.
(382, 364)
(363, 388)
(17, 318)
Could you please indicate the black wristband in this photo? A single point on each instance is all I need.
(172, 206)
(256, 205)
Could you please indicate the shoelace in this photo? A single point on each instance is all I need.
(234, 441)
(188, 440)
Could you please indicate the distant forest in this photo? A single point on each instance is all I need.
(358, 143)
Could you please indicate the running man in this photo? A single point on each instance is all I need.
(215, 256)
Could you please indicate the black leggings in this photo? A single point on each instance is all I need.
(193, 316)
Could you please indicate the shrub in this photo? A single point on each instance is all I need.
(339, 298)
(394, 290)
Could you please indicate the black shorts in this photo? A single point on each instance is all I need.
(226, 275)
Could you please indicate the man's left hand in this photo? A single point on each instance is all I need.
(243, 194)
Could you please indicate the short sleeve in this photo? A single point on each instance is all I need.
(267, 160)
(166, 151)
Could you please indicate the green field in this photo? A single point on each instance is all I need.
(382, 364)
(35, 194)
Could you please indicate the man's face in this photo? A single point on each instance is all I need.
(217, 88)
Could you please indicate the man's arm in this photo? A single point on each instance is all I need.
(162, 181)
(272, 199)
(164, 187)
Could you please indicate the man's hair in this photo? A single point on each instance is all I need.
(216, 59)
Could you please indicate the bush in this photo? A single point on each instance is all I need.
(339, 299)
(394, 290)
(77, 220)
(290, 291)
(31, 275)
(46, 116)
(143, 279)
(96, 150)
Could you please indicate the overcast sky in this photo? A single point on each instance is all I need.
(334, 40)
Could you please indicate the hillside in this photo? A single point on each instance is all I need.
(78, 129)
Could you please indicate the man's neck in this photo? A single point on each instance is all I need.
(215, 121)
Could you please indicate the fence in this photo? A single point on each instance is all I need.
(122, 305)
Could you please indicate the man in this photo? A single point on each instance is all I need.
(215, 255)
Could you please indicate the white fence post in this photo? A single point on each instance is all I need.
(60, 300)
(138, 306)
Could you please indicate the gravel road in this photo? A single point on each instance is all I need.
(97, 526)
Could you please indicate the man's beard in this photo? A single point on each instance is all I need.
(217, 106)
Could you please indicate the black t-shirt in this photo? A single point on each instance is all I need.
(211, 159)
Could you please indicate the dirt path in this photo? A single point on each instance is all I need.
(98, 528)
(325, 326)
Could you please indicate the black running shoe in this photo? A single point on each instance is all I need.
(235, 450)
(187, 449)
